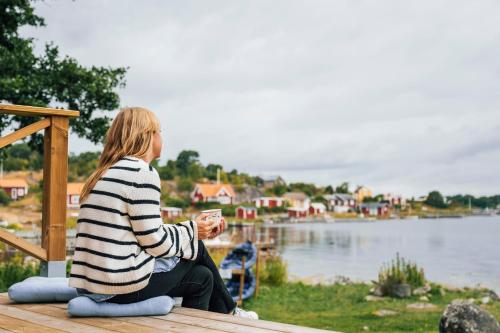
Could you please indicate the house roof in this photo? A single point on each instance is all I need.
(211, 190)
(298, 209)
(271, 178)
(75, 188)
(318, 205)
(14, 182)
(171, 208)
(248, 207)
(341, 196)
(295, 195)
(372, 205)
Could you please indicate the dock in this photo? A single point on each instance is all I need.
(53, 317)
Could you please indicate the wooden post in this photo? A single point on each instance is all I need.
(242, 280)
(257, 263)
(55, 178)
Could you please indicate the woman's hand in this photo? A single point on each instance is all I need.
(205, 226)
(219, 229)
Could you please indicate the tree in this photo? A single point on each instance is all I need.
(47, 78)
(342, 188)
(4, 198)
(211, 170)
(435, 199)
(185, 159)
(329, 189)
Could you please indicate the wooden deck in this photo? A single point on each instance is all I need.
(40, 318)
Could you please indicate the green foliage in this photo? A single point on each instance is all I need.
(435, 199)
(177, 202)
(274, 271)
(480, 202)
(82, 165)
(329, 190)
(43, 78)
(185, 160)
(342, 188)
(4, 198)
(185, 185)
(279, 190)
(307, 188)
(14, 270)
(20, 157)
(278, 209)
(398, 272)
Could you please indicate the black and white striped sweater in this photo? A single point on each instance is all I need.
(120, 231)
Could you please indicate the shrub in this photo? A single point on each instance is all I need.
(4, 198)
(398, 272)
(273, 271)
(14, 270)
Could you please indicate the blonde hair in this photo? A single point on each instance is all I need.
(130, 134)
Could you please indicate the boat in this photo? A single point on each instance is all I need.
(234, 258)
(233, 285)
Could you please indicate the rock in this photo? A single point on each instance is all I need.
(377, 291)
(371, 298)
(485, 300)
(491, 294)
(462, 300)
(401, 290)
(424, 298)
(463, 317)
(384, 313)
(421, 306)
(422, 290)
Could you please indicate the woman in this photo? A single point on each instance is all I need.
(124, 253)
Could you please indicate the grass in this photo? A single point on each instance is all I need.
(343, 308)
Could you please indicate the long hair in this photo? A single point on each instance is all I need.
(130, 134)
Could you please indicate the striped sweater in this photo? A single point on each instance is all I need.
(120, 231)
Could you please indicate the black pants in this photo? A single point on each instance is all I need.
(198, 282)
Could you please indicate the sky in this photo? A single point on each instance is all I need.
(399, 96)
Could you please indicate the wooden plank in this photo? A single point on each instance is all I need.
(147, 322)
(112, 324)
(171, 326)
(214, 324)
(55, 177)
(270, 325)
(48, 321)
(18, 325)
(23, 245)
(25, 110)
(24, 132)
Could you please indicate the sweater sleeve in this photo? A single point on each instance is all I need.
(155, 237)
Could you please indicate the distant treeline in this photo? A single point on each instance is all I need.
(187, 169)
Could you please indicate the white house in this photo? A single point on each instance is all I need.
(340, 202)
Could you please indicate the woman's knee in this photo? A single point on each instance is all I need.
(204, 276)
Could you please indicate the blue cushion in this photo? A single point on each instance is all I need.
(37, 289)
(83, 306)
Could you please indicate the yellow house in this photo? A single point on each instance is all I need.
(361, 193)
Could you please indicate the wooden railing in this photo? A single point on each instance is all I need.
(55, 124)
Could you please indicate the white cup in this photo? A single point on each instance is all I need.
(215, 215)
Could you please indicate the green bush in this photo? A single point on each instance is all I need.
(14, 270)
(4, 198)
(398, 272)
(273, 271)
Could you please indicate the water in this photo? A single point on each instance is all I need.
(461, 252)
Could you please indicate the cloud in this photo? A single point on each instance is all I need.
(398, 96)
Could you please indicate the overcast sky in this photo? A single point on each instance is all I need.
(400, 96)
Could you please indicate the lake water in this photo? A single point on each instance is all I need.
(460, 251)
